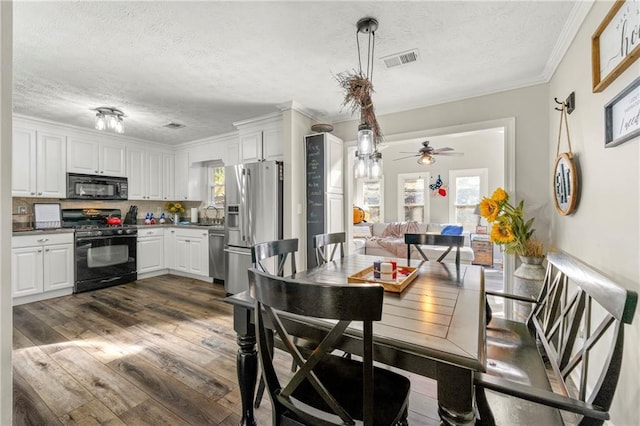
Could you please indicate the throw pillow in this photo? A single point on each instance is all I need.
(452, 230)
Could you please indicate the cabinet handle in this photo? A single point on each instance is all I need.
(101, 171)
(39, 193)
(39, 250)
(46, 249)
(96, 171)
(204, 234)
(43, 240)
(187, 241)
(33, 193)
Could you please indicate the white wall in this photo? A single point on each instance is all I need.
(605, 229)
(6, 317)
(529, 106)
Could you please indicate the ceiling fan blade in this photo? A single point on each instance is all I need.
(446, 148)
(450, 154)
(406, 152)
(408, 156)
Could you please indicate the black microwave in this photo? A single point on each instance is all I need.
(90, 187)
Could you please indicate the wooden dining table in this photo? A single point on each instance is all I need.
(435, 328)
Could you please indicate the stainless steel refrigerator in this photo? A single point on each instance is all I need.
(253, 204)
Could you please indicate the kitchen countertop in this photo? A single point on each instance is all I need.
(43, 232)
(213, 228)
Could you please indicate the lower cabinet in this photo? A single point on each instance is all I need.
(41, 264)
(150, 250)
(187, 250)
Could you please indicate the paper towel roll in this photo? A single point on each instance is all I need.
(194, 215)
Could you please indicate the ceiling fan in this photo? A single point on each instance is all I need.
(427, 152)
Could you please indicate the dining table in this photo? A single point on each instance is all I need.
(434, 328)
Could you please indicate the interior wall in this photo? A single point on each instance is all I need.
(6, 317)
(481, 149)
(528, 105)
(604, 230)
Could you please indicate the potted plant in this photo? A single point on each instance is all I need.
(177, 209)
(515, 234)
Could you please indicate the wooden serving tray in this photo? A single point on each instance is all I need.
(366, 276)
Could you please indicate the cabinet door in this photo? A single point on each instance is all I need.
(182, 176)
(150, 254)
(52, 165)
(182, 254)
(251, 147)
(154, 176)
(169, 248)
(231, 154)
(333, 164)
(58, 267)
(272, 144)
(82, 156)
(112, 160)
(335, 213)
(136, 169)
(168, 177)
(23, 170)
(26, 271)
(199, 255)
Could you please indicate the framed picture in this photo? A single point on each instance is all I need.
(622, 116)
(481, 229)
(615, 45)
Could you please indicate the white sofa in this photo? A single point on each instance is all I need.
(373, 240)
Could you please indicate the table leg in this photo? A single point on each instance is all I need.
(247, 363)
(455, 395)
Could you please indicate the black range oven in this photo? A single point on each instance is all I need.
(105, 255)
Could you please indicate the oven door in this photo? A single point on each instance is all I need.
(105, 261)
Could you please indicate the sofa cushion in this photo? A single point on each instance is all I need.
(398, 229)
(452, 230)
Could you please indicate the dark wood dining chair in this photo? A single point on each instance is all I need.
(326, 389)
(261, 254)
(329, 243)
(449, 241)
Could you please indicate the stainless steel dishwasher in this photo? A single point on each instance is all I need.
(216, 253)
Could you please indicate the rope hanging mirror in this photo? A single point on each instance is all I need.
(565, 176)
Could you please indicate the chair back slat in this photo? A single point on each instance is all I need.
(324, 243)
(450, 241)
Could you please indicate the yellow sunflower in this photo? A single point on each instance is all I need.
(502, 233)
(499, 195)
(489, 209)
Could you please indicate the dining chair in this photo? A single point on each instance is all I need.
(326, 389)
(325, 243)
(418, 240)
(261, 254)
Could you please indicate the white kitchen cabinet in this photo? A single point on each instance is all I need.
(41, 265)
(232, 154)
(39, 163)
(190, 251)
(189, 179)
(92, 157)
(261, 139)
(145, 174)
(168, 177)
(150, 250)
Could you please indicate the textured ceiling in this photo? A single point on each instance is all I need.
(209, 64)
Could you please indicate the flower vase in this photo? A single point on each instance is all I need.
(528, 282)
(176, 218)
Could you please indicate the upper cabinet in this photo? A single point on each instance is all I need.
(145, 174)
(39, 163)
(104, 158)
(189, 179)
(261, 139)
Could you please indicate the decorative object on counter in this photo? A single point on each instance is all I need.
(177, 209)
(22, 222)
(194, 215)
(47, 215)
(565, 177)
(358, 87)
(615, 45)
(162, 219)
(622, 116)
(147, 219)
(109, 118)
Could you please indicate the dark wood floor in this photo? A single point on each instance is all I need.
(158, 351)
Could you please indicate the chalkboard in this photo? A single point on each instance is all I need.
(314, 151)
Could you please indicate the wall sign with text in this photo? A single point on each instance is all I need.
(616, 43)
(622, 116)
(565, 184)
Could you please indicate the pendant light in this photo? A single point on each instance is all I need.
(360, 166)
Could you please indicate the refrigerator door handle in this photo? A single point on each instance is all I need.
(243, 198)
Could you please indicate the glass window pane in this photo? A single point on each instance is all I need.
(468, 190)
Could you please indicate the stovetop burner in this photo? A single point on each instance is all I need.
(93, 222)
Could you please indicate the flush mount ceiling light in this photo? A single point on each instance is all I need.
(108, 118)
(358, 87)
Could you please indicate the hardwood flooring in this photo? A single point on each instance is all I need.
(159, 351)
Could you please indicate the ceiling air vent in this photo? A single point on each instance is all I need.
(173, 125)
(402, 58)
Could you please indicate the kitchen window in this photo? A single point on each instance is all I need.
(216, 186)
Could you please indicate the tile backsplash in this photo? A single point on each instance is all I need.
(155, 207)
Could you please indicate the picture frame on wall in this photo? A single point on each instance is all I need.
(622, 116)
(615, 45)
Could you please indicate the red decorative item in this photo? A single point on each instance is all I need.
(442, 192)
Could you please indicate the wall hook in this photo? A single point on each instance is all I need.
(569, 104)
